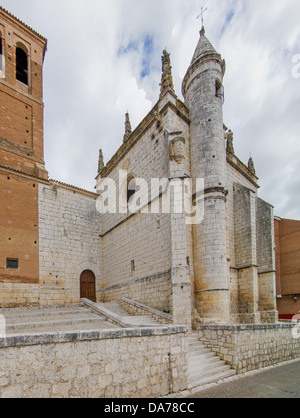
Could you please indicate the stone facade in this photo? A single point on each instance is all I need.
(217, 268)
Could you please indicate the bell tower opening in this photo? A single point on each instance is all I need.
(21, 64)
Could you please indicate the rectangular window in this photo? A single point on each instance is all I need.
(12, 263)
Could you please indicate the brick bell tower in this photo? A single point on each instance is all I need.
(203, 91)
(22, 166)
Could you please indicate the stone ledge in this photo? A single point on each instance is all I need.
(22, 340)
(244, 327)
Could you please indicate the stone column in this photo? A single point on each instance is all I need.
(180, 270)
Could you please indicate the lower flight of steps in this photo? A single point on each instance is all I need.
(204, 366)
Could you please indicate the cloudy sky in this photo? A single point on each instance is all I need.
(104, 59)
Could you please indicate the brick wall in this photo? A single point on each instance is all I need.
(19, 240)
(287, 235)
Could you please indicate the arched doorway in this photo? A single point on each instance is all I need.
(88, 286)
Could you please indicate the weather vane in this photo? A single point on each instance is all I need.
(201, 14)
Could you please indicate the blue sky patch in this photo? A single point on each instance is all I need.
(148, 48)
(145, 48)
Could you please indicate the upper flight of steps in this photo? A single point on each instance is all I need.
(32, 320)
(204, 366)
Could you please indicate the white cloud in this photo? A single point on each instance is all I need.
(104, 58)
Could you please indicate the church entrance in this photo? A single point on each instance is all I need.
(88, 286)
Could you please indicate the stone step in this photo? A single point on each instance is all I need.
(194, 337)
(201, 349)
(211, 379)
(193, 342)
(210, 373)
(141, 318)
(201, 358)
(114, 307)
(64, 328)
(196, 367)
(140, 321)
(51, 324)
(205, 363)
(36, 312)
(50, 317)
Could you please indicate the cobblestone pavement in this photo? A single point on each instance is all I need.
(281, 381)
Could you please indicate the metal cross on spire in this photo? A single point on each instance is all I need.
(202, 17)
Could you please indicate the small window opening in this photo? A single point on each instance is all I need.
(21, 66)
(12, 263)
(131, 189)
(132, 265)
(219, 90)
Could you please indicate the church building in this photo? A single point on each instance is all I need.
(58, 245)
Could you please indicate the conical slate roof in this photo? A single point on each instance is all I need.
(204, 46)
(204, 49)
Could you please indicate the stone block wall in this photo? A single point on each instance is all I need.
(251, 347)
(69, 228)
(128, 363)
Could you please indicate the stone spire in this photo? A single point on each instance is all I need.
(202, 31)
(230, 147)
(128, 130)
(204, 50)
(204, 46)
(167, 79)
(101, 161)
(251, 166)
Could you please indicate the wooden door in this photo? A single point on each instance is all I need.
(88, 286)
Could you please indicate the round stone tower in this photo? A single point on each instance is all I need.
(204, 95)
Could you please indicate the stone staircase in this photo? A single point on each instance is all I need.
(32, 320)
(204, 366)
(126, 318)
